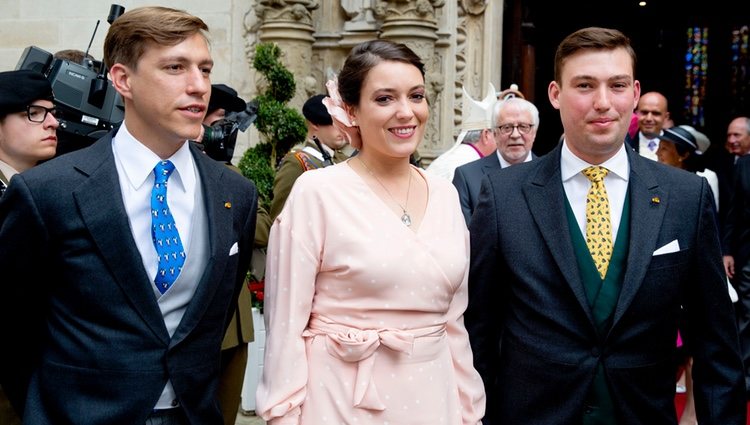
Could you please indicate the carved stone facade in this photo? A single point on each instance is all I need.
(459, 42)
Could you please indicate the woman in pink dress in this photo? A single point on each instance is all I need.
(367, 270)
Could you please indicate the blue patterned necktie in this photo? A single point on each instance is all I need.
(164, 230)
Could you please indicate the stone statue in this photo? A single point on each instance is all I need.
(359, 14)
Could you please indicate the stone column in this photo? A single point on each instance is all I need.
(289, 24)
(414, 23)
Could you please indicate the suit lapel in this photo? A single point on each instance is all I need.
(546, 200)
(490, 165)
(648, 202)
(217, 201)
(99, 200)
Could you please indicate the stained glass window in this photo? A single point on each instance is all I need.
(696, 72)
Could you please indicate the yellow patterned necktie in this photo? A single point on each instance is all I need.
(598, 226)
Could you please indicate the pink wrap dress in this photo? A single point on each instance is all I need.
(364, 315)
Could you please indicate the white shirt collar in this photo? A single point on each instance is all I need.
(505, 164)
(138, 161)
(7, 170)
(571, 165)
(643, 138)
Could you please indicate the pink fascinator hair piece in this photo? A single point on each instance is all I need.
(335, 107)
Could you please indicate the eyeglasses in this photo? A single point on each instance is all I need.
(38, 113)
(507, 129)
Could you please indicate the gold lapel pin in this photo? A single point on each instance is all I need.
(227, 205)
(655, 200)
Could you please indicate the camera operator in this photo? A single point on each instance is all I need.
(224, 99)
(222, 123)
(27, 122)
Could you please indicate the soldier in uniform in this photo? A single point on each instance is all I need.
(322, 148)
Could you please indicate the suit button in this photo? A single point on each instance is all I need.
(175, 403)
(588, 410)
(595, 352)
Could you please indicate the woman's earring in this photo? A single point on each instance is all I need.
(354, 123)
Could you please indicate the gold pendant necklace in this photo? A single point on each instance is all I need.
(405, 217)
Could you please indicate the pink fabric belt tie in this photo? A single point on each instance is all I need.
(358, 345)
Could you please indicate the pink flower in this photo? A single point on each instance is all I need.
(335, 106)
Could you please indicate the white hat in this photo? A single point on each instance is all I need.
(700, 138)
(478, 115)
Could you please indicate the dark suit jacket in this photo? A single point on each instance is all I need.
(737, 224)
(74, 285)
(524, 282)
(468, 181)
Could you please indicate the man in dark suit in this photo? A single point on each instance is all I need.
(516, 124)
(588, 315)
(122, 261)
(652, 112)
(737, 233)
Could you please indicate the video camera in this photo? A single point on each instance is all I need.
(89, 105)
(220, 138)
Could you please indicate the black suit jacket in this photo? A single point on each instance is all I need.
(525, 285)
(737, 222)
(468, 181)
(81, 324)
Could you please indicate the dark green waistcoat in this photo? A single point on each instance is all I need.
(602, 295)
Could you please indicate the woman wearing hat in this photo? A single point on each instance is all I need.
(681, 147)
(27, 122)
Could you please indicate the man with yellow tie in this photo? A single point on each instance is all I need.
(583, 260)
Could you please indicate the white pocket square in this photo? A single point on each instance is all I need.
(669, 248)
(234, 249)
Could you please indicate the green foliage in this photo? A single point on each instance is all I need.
(280, 127)
(256, 167)
(281, 83)
(285, 126)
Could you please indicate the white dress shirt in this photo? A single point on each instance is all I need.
(647, 147)
(577, 185)
(135, 167)
(7, 170)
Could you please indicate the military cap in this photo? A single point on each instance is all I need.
(20, 88)
(315, 112)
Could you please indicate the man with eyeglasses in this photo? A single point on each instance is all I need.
(515, 131)
(27, 123)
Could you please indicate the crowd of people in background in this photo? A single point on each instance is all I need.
(586, 285)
